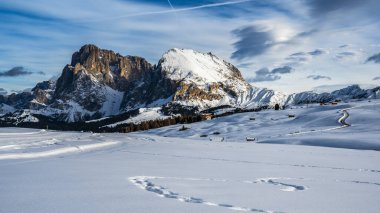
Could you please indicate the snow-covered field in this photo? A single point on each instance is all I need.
(166, 170)
(312, 125)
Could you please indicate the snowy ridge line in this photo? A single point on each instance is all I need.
(255, 162)
(60, 151)
(144, 183)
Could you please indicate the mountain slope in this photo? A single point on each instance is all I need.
(203, 79)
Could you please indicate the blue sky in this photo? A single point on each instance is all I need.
(287, 45)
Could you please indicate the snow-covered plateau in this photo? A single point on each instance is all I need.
(210, 167)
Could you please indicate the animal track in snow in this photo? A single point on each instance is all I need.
(145, 183)
(288, 187)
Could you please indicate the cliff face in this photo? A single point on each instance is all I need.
(104, 66)
(111, 68)
(96, 76)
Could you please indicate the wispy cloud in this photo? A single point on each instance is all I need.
(342, 55)
(319, 7)
(300, 58)
(257, 38)
(18, 71)
(317, 52)
(14, 72)
(319, 77)
(252, 41)
(376, 78)
(265, 74)
(282, 70)
(374, 58)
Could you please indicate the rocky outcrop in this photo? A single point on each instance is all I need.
(188, 92)
(95, 74)
(43, 92)
(109, 67)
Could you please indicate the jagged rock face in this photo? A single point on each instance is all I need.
(112, 68)
(188, 91)
(84, 90)
(107, 67)
(18, 100)
(40, 94)
(43, 92)
(92, 70)
(155, 90)
(353, 91)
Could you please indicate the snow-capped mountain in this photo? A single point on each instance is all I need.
(203, 79)
(101, 83)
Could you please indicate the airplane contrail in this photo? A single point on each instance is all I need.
(174, 10)
(187, 8)
(171, 5)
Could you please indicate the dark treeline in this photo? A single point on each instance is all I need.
(145, 125)
(100, 126)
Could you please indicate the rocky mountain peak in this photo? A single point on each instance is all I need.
(203, 79)
(106, 66)
(106, 62)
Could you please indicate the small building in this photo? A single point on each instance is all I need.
(206, 116)
(250, 139)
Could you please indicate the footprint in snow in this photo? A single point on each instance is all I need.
(146, 183)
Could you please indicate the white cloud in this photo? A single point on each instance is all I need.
(127, 28)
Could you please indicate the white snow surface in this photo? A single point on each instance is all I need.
(111, 106)
(145, 114)
(166, 170)
(4, 109)
(313, 125)
(190, 65)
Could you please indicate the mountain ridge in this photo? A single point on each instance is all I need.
(100, 83)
